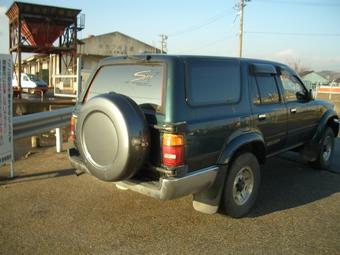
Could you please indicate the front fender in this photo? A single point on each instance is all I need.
(312, 148)
(329, 115)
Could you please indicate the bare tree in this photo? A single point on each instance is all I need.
(296, 65)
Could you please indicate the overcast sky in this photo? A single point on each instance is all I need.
(304, 31)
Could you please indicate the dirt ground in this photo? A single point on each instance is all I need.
(47, 209)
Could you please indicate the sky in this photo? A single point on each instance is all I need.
(306, 32)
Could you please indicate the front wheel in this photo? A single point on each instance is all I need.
(242, 185)
(325, 155)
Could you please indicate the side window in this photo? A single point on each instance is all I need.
(25, 78)
(213, 82)
(294, 90)
(255, 93)
(267, 89)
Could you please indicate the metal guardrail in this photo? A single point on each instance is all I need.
(36, 123)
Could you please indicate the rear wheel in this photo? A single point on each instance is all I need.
(325, 151)
(242, 185)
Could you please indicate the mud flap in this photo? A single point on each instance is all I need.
(208, 200)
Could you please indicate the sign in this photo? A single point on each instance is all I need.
(6, 111)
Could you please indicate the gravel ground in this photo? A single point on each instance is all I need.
(47, 209)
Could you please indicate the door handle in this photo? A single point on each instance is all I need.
(262, 116)
(293, 110)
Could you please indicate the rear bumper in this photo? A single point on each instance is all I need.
(165, 188)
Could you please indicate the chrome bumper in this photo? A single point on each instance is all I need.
(165, 188)
(171, 188)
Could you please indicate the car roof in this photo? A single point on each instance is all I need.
(166, 56)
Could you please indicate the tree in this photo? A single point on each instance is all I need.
(296, 65)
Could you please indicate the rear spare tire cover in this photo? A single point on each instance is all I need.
(112, 136)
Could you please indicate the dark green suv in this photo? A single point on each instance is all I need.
(169, 126)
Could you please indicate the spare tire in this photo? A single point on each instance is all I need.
(112, 137)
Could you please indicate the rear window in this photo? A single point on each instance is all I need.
(141, 82)
(213, 82)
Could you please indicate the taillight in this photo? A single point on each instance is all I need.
(72, 127)
(173, 150)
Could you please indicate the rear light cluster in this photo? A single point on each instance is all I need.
(72, 127)
(172, 150)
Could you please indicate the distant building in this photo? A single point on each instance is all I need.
(38, 65)
(91, 50)
(336, 82)
(313, 79)
(95, 48)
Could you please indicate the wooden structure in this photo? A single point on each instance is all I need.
(44, 29)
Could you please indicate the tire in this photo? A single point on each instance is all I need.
(325, 152)
(244, 177)
(112, 137)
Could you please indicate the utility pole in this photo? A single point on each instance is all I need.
(241, 28)
(240, 8)
(163, 43)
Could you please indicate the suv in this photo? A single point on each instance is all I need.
(169, 126)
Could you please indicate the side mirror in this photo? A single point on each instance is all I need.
(307, 96)
(310, 95)
(302, 96)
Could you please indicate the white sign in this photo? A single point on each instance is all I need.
(6, 110)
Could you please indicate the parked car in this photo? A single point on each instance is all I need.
(30, 84)
(169, 126)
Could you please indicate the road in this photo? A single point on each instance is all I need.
(47, 209)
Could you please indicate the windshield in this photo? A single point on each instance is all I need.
(32, 77)
(141, 82)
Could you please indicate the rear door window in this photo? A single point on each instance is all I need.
(213, 82)
(267, 89)
(141, 82)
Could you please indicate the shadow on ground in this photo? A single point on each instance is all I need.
(4, 180)
(288, 182)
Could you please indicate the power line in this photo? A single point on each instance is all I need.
(292, 34)
(201, 25)
(320, 4)
(208, 44)
(220, 39)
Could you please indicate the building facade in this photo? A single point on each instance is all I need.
(90, 50)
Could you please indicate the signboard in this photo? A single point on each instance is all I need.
(6, 111)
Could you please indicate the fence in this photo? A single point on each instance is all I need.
(36, 123)
(65, 85)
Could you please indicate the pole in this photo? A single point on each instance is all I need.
(241, 29)
(19, 55)
(59, 140)
(79, 81)
(163, 43)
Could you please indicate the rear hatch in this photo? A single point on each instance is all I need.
(144, 82)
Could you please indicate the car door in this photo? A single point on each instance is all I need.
(25, 82)
(302, 112)
(269, 113)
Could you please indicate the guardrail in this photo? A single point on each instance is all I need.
(36, 123)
